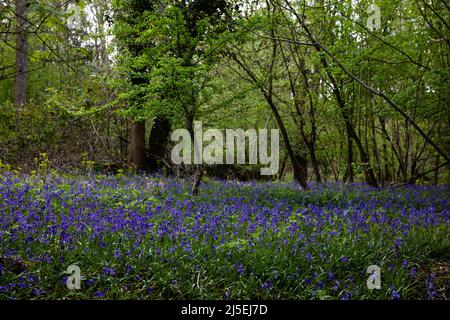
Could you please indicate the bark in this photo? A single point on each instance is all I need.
(159, 138)
(21, 59)
(387, 176)
(349, 171)
(137, 146)
(314, 162)
(197, 181)
(436, 172)
(282, 167)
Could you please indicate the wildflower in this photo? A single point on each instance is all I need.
(32, 278)
(109, 271)
(405, 263)
(330, 276)
(240, 269)
(431, 289)
(321, 285)
(90, 282)
(267, 285)
(413, 272)
(38, 292)
(398, 242)
(395, 295)
(336, 286)
(99, 294)
(346, 296)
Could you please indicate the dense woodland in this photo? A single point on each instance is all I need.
(99, 85)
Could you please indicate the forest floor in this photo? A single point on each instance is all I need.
(145, 237)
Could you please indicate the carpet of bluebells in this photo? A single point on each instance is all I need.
(145, 237)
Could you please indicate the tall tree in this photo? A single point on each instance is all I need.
(20, 79)
(166, 58)
(130, 22)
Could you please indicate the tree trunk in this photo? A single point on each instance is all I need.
(387, 176)
(349, 171)
(159, 137)
(314, 163)
(21, 60)
(368, 172)
(197, 181)
(137, 147)
(350, 130)
(436, 172)
(300, 174)
(282, 167)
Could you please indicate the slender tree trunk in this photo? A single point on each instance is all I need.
(21, 60)
(335, 172)
(368, 172)
(376, 153)
(137, 147)
(350, 130)
(314, 162)
(436, 172)
(197, 181)
(282, 167)
(349, 171)
(387, 176)
(300, 174)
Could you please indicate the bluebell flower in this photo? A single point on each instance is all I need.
(431, 289)
(395, 295)
(90, 282)
(346, 296)
(38, 292)
(413, 272)
(109, 271)
(240, 269)
(267, 285)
